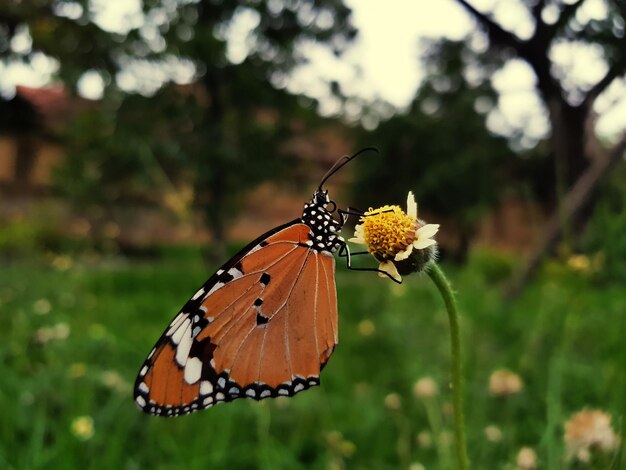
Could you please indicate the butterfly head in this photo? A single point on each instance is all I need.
(318, 212)
(322, 199)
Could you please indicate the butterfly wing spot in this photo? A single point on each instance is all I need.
(176, 323)
(206, 387)
(193, 370)
(265, 279)
(184, 347)
(180, 331)
(224, 277)
(233, 273)
(198, 294)
(261, 319)
(217, 286)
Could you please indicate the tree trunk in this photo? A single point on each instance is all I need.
(569, 135)
(211, 176)
(25, 161)
(573, 204)
(216, 220)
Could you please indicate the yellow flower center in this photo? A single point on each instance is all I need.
(387, 231)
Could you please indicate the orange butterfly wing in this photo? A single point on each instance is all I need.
(263, 326)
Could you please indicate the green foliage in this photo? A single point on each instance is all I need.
(495, 267)
(19, 237)
(220, 136)
(561, 337)
(32, 234)
(129, 148)
(605, 233)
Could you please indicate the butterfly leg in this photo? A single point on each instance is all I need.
(344, 252)
(345, 213)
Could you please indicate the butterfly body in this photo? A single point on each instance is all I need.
(264, 325)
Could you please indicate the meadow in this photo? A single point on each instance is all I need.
(74, 332)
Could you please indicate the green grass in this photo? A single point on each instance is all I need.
(564, 337)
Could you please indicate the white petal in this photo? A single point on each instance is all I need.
(390, 269)
(358, 241)
(411, 206)
(404, 254)
(427, 231)
(424, 243)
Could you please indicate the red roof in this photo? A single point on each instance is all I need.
(52, 102)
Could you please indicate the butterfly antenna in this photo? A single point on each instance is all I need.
(342, 162)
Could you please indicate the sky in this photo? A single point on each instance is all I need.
(383, 63)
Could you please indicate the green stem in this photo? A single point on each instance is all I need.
(445, 289)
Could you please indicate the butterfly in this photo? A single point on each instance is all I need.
(264, 325)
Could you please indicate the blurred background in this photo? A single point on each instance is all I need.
(143, 142)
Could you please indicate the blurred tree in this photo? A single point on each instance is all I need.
(569, 106)
(246, 117)
(223, 131)
(440, 148)
(59, 36)
(579, 158)
(62, 36)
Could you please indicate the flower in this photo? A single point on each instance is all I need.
(77, 369)
(503, 382)
(114, 381)
(59, 331)
(526, 458)
(336, 441)
(401, 242)
(366, 327)
(425, 388)
(42, 306)
(579, 263)
(424, 440)
(393, 401)
(82, 427)
(589, 430)
(493, 433)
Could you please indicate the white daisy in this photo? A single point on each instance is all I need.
(400, 241)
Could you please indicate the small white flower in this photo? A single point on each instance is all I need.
(393, 236)
(588, 431)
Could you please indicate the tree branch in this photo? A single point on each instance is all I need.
(497, 34)
(536, 10)
(573, 204)
(567, 13)
(615, 70)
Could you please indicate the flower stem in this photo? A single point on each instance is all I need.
(445, 289)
